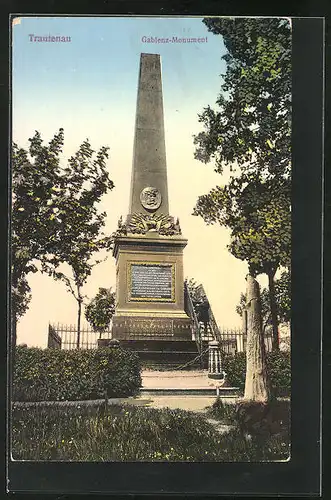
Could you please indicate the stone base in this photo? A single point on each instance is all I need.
(216, 376)
(156, 328)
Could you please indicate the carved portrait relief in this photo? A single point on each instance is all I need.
(150, 198)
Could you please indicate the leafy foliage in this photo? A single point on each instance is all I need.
(101, 309)
(258, 215)
(251, 126)
(278, 368)
(83, 183)
(131, 433)
(259, 218)
(283, 299)
(21, 297)
(196, 293)
(54, 375)
(34, 177)
(235, 369)
(55, 216)
(250, 131)
(194, 289)
(283, 294)
(242, 304)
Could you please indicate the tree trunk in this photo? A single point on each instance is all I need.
(79, 317)
(273, 311)
(256, 382)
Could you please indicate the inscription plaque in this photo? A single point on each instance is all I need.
(151, 282)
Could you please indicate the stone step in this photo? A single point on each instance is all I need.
(153, 345)
(165, 368)
(165, 353)
(230, 392)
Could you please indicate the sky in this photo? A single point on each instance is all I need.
(88, 86)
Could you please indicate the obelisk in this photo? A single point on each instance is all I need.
(148, 246)
(149, 156)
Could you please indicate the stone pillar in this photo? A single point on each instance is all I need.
(148, 247)
(214, 360)
(149, 167)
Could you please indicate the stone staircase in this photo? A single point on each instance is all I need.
(184, 383)
(167, 354)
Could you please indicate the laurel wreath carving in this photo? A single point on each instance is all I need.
(139, 223)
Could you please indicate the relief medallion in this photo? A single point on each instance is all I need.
(150, 198)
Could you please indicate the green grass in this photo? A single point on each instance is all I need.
(129, 433)
(224, 412)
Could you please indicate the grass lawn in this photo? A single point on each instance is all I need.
(131, 433)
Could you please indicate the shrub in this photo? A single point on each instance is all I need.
(278, 367)
(54, 375)
(279, 370)
(235, 368)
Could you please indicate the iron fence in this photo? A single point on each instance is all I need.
(67, 335)
(234, 340)
(62, 336)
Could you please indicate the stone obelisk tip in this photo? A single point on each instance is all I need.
(149, 186)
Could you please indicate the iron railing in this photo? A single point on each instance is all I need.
(232, 340)
(67, 335)
(196, 333)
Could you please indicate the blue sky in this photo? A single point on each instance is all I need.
(102, 60)
(89, 86)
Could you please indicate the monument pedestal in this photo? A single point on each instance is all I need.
(150, 288)
(142, 328)
(148, 247)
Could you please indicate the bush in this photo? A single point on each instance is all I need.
(278, 367)
(55, 375)
(279, 370)
(235, 369)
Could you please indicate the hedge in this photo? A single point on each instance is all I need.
(71, 375)
(278, 367)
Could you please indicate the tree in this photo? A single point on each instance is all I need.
(256, 381)
(250, 132)
(283, 294)
(79, 224)
(54, 216)
(21, 297)
(251, 126)
(283, 300)
(195, 292)
(265, 306)
(34, 177)
(100, 310)
(259, 219)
